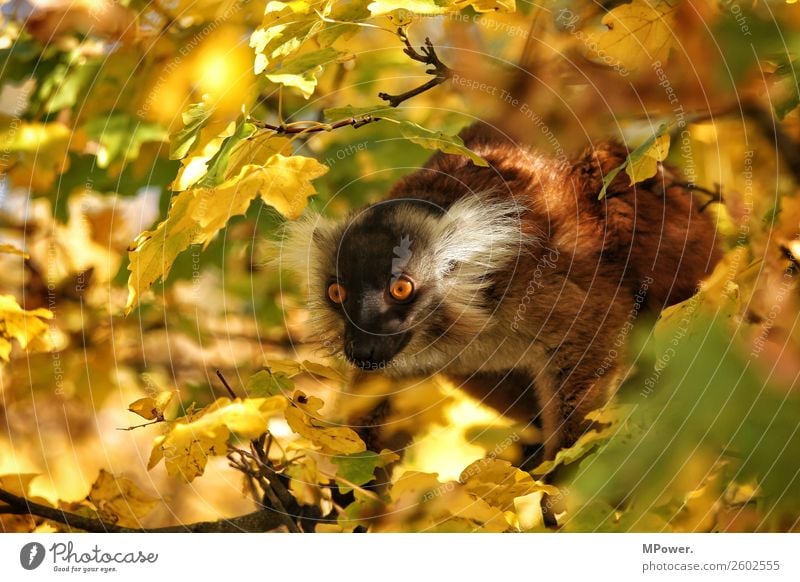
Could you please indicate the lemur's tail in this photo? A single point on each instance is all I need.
(658, 227)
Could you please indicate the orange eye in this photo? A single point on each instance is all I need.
(337, 293)
(401, 289)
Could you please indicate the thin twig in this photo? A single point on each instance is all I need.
(225, 383)
(269, 488)
(311, 126)
(427, 56)
(154, 421)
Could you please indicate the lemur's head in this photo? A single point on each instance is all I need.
(402, 276)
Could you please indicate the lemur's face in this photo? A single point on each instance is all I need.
(379, 282)
(400, 277)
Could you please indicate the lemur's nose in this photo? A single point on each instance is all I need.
(360, 352)
(373, 351)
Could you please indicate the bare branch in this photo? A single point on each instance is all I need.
(428, 56)
(262, 520)
(311, 126)
(225, 383)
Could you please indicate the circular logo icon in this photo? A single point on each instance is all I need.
(31, 555)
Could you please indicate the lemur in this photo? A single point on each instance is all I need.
(514, 279)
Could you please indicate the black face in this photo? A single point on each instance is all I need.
(373, 289)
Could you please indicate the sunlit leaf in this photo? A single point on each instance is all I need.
(303, 418)
(638, 33)
(190, 441)
(183, 140)
(120, 500)
(301, 72)
(196, 215)
(152, 407)
(266, 383)
(498, 482)
(643, 162)
(29, 328)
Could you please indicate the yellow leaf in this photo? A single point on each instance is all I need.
(12, 250)
(119, 500)
(17, 484)
(197, 215)
(157, 454)
(305, 480)
(638, 33)
(39, 152)
(29, 328)
(288, 367)
(608, 420)
(645, 166)
(302, 419)
(487, 5)
(423, 7)
(151, 408)
(292, 368)
(421, 503)
(498, 482)
(287, 183)
(413, 485)
(260, 146)
(247, 418)
(189, 441)
(154, 251)
(186, 450)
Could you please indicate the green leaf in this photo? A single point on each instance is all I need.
(437, 140)
(429, 139)
(20, 59)
(420, 7)
(194, 119)
(285, 28)
(62, 89)
(301, 72)
(359, 468)
(218, 165)
(643, 160)
(266, 383)
(121, 137)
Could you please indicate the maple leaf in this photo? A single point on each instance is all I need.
(152, 407)
(638, 33)
(197, 215)
(498, 482)
(191, 440)
(643, 162)
(120, 500)
(303, 418)
(29, 328)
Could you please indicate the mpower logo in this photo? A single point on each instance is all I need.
(31, 555)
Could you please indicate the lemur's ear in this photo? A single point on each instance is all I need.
(481, 234)
(306, 246)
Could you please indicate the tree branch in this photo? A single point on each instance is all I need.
(310, 126)
(429, 57)
(262, 520)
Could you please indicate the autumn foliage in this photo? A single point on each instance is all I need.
(158, 372)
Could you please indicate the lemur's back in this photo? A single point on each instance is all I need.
(651, 235)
